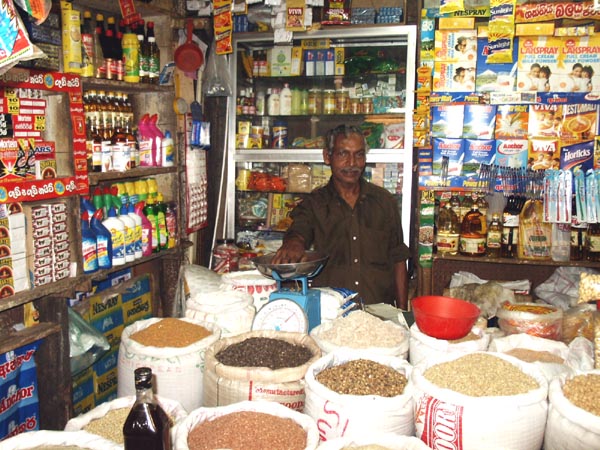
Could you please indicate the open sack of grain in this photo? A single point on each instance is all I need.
(106, 420)
(251, 425)
(259, 365)
(174, 349)
(383, 441)
(58, 440)
(358, 394)
(574, 412)
(361, 331)
(478, 401)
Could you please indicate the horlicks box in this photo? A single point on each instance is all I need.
(477, 152)
(579, 155)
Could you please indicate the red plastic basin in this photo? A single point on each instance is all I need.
(444, 317)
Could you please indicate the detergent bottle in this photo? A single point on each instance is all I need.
(161, 220)
(103, 241)
(88, 245)
(137, 231)
(167, 150)
(150, 212)
(146, 230)
(129, 234)
(117, 232)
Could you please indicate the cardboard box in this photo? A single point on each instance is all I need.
(456, 46)
(106, 376)
(279, 59)
(83, 391)
(456, 23)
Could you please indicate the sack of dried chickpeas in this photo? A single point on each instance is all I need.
(58, 439)
(356, 394)
(478, 401)
(574, 412)
(251, 425)
(384, 441)
(174, 349)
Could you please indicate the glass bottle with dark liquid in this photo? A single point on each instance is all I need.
(147, 426)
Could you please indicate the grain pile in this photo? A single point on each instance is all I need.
(110, 426)
(481, 375)
(367, 447)
(584, 392)
(264, 352)
(363, 330)
(247, 430)
(527, 355)
(170, 332)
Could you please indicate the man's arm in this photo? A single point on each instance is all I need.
(291, 251)
(401, 281)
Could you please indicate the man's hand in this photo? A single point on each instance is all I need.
(292, 251)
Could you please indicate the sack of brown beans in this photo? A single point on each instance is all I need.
(478, 401)
(247, 425)
(259, 365)
(357, 394)
(58, 440)
(174, 349)
(574, 413)
(232, 311)
(426, 348)
(383, 441)
(360, 330)
(107, 419)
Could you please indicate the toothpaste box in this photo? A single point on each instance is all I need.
(479, 121)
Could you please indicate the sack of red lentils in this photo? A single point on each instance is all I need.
(58, 439)
(384, 441)
(107, 419)
(427, 348)
(358, 394)
(174, 349)
(251, 425)
(574, 413)
(478, 401)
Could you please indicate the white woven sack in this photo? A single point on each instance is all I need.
(448, 419)
(570, 427)
(172, 407)
(202, 414)
(427, 348)
(524, 340)
(400, 350)
(39, 439)
(232, 311)
(341, 415)
(387, 440)
(252, 282)
(178, 371)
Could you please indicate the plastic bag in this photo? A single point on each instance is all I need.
(87, 345)
(562, 288)
(217, 79)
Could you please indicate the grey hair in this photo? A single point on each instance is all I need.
(342, 130)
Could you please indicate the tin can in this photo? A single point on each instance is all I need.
(280, 134)
(107, 164)
(354, 105)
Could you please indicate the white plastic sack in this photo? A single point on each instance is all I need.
(350, 416)
(461, 277)
(202, 414)
(193, 279)
(172, 407)
(388, 440)
(569, 427)
(178, 372)
(36, 439)
(232, 311)
(448, 419)
(427, 348)
(253, 283)
(562, 287)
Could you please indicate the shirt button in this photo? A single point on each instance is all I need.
(356, 283)
(355, 260)
(353, 238)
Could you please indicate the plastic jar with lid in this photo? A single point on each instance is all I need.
(354, 105)
(366, 105)
(226, 256)
(342, 101)
(315, 101)
(329, 101)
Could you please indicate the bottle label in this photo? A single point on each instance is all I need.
(447, 243)
(137, 239)
(104, 260)
(106, 156)
(131, 62)
(472, 246)
(506, 235)
(121, 157)
(90, 261)
(494, 239)
(87, 55)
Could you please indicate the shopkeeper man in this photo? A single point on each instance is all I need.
(354, 222)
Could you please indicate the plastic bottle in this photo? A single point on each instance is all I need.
(285, 100)
(137, 231)
(171, 219)
(158, 137)
(146, 230)
(88, 245)
(131, 193)
(145, 141)
(167, 150)
(153, 56)
(87, 45)
(103, 241)
(85, 204)
(128, 234)
(273, 103)
(472, 237)
(150, 213)
(448, 230)
(131, 59)
(260, 102)
(147, 426)
(117, 232)
(161, 220)
(141, 189)
(143, 56)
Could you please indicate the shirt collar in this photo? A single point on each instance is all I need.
(366, 188)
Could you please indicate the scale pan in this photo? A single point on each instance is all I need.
(309, 268)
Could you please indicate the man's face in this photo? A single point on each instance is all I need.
(348, 160)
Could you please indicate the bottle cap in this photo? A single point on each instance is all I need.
(143, 378)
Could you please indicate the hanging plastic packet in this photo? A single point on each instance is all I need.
(15, 45)
(566, 195)
(591, 196)
(449, 6)
(501, 31)
(550, 195)
(38, 9)
(580, 198)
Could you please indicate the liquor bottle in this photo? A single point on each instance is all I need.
(448, 230)
(87, 45)
(96, 149)
(147, 426)
(99, 64)
(593, 242)
(578, 235)
(131, 140)
(494, 237)
(153, 56)
(143, 51)
(472, 238)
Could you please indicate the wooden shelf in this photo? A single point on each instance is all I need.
(97, 177)
(122, 86)
(101, 274)
(514, 261)
(15, 339)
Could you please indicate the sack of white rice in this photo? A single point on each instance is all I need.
(58, 440)
(371, 441)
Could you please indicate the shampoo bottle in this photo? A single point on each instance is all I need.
(117, 232)
(88, 245)
(103, 241)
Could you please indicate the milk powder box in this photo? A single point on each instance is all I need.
(579, 122)
(453, 150)
(447, 120)
(543, 154)
(545, 120)
(512, 121)
(479, 121)
(494, 77)
(578, 155)
(477, 152)
(453, 76)
(512, 153)
(456, 45)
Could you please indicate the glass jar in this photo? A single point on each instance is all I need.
(225, 256)
(366, 105)
(315, 101)
(342, 101)
(354, 105)
(329, 101)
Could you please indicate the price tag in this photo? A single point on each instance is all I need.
(10, 92)
(13, 105)
(39, 123)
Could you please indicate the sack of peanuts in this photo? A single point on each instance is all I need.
(480, 400)
(383, 441)
(58, 439)
(259, 365)
(174, 349)
(248, 424)
(425, 348)
(574, 412)
(589, 287)
(107, 419)
(357, 394)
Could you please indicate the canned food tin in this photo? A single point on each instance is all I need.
(280, 135)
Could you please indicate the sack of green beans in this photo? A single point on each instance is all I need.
(251, 425)
(58, 440)
(480, 400)
(106, 420)
(574, 414)
(427, 348)
(384, 441)
(357, 394)
(174, 349)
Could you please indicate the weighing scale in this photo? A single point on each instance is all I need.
(289, 309)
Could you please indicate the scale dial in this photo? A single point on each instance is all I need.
(281, 315)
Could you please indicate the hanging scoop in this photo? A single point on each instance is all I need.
(188, 56)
